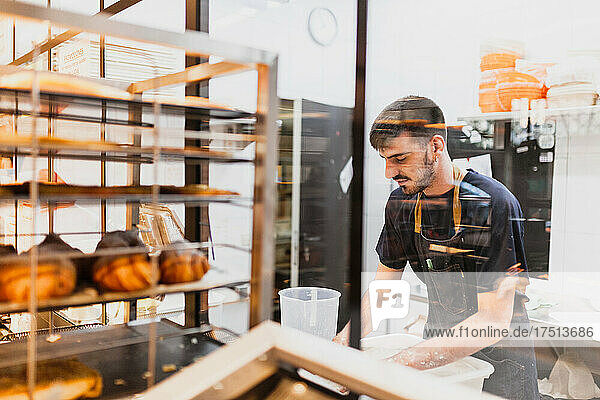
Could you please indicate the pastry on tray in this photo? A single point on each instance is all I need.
(204, 190)
(53, 82)
(56, 379)
(24, 188)
(181, 265)
(190, 101)
(57, 189)
(122, 272)
(56, 272)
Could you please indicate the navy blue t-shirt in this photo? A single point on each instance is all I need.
(491, 220)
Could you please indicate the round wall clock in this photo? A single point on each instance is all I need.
(322, 26)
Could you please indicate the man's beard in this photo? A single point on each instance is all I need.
(424, 177)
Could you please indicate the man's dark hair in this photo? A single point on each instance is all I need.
(413, 116)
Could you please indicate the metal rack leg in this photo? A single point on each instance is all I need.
(203, 308)
(196, 309)
(133, 310)
(104, 315)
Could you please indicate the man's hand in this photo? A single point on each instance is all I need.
(419, 358)
(343, 337)
(495, 311)
(401, 357)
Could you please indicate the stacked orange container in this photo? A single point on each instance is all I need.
(517, 85)
(499, 82)
(488, 98)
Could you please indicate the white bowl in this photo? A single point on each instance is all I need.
(469, 371)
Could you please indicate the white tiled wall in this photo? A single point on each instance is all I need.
(431, 48)
(306, 69)
(428, 48)
(575, 220)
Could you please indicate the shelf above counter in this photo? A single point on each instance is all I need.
(548, 112)
(51, 192)
(493, 116)
(18, 101)
(89, 295)
(78, 149)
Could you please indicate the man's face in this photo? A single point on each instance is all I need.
(409, 161)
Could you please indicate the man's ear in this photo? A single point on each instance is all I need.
(438, 143)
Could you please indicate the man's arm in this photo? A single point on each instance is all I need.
(383, 272)
(495, 311)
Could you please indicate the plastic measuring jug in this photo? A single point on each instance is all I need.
(310, 309)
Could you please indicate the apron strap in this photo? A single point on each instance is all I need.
(458, 175)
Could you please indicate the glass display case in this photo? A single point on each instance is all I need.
(101, 159)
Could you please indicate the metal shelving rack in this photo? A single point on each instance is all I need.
(235, 59)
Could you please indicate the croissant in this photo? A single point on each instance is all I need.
(56, 379)
(56, 276)
(126, 273)
(53, 280)
(122, 272)
(179, 266)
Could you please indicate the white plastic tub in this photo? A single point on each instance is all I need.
(469, 371)
(572, 95)
(572, 100)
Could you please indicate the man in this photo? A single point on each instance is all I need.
(462, 234)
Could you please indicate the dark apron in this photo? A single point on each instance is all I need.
(452, 297)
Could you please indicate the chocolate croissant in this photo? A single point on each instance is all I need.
(122, 272)
(56, 274)
(182, 265)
